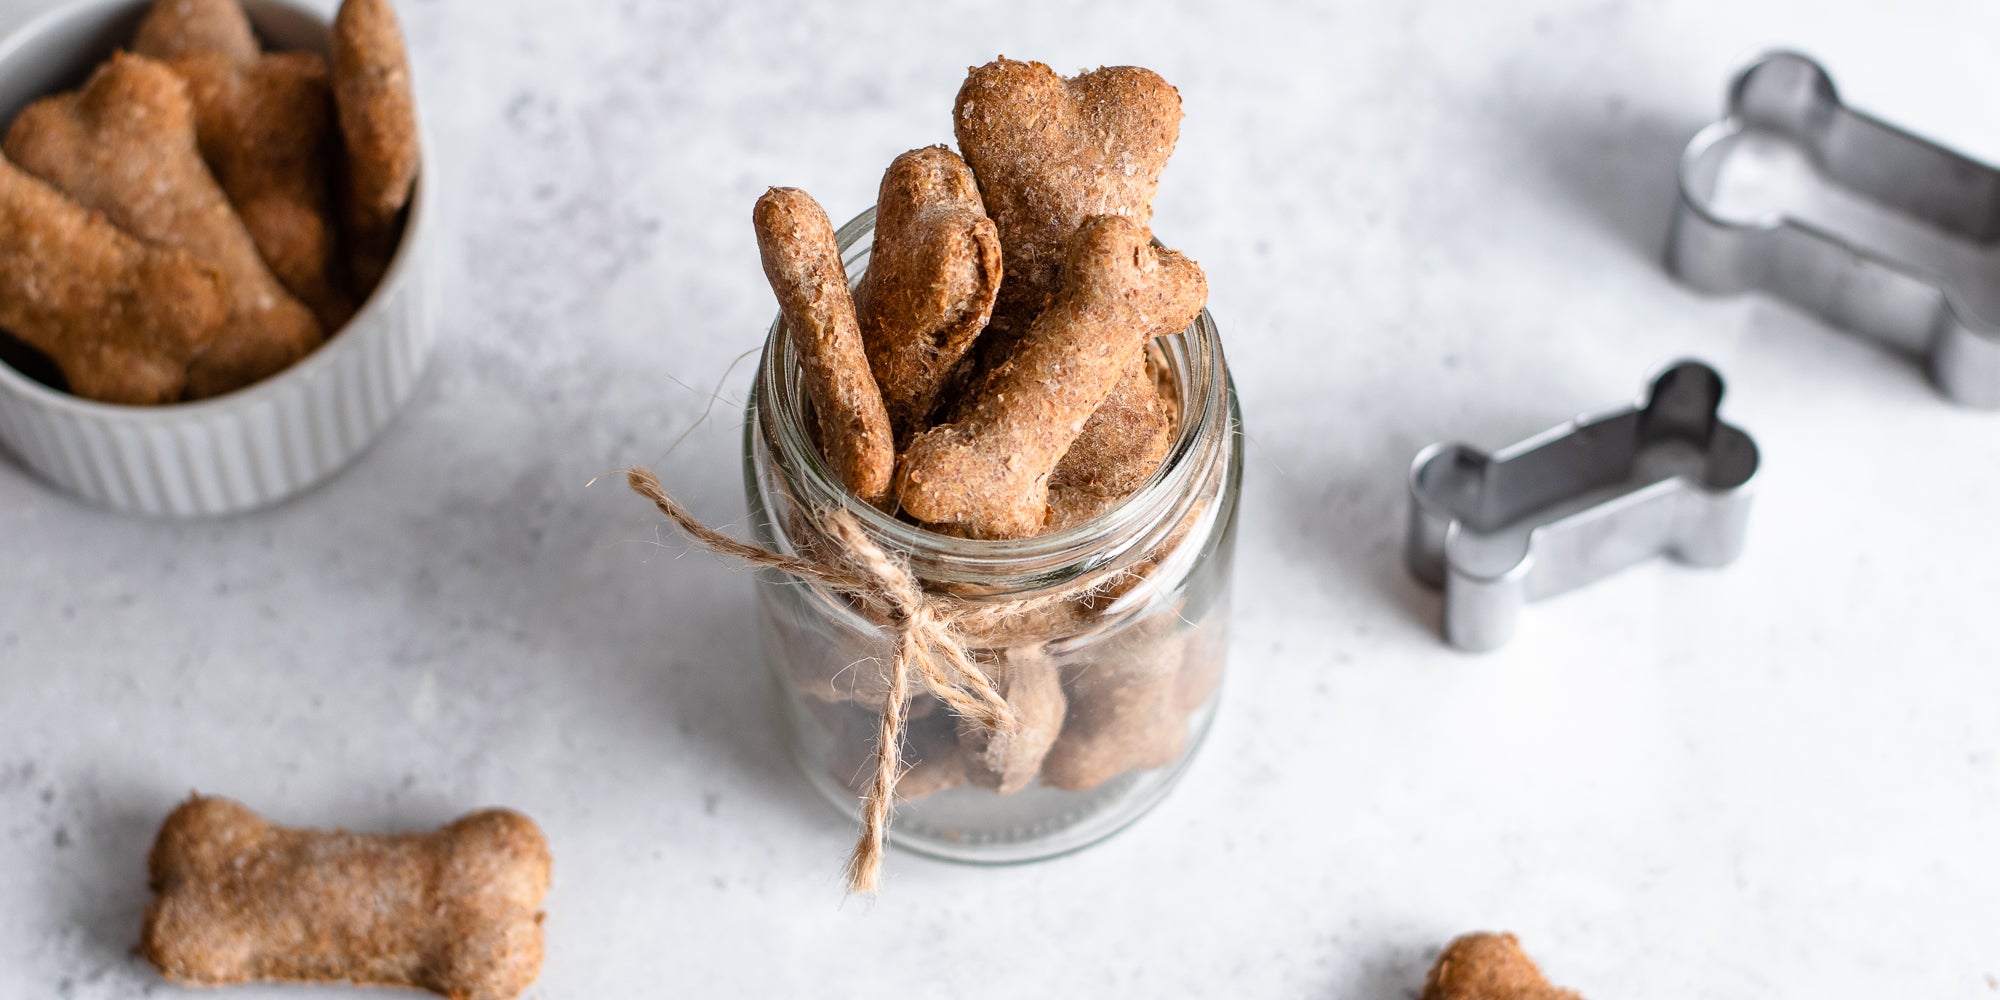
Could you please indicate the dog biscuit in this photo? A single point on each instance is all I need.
(932, 276)
(1489, 967)
(376, 99)
(455, 911)
(802, 262)
(988, 473)
(119, 317)
(1051, 152)
(125, 145)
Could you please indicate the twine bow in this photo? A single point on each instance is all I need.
(929, 640)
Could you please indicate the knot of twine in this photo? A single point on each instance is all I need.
(928, 633)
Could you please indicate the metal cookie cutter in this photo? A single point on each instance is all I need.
(1872, 290)
(1579, 502)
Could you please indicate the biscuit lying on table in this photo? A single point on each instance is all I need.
(454, 911)
(1489, 967)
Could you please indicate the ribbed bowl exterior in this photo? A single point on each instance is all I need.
(259, 445)
(241, 451)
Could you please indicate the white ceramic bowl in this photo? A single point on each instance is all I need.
(260, 444)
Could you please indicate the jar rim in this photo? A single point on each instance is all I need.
(1194, 357)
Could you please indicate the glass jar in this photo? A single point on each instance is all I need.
(1125, 679)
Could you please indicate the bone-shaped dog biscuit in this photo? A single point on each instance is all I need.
(265, 126)
(1125, 709)
(802, 262)
(932, 276)
(125, 145)
(1127, 721)
(454, 911)
(988, 474)
(377, 102)
(1007, 760)
(1124, 441)
(120, 317)
(176, 28)
(266, 129)
(1051, 152)
(1489, 967)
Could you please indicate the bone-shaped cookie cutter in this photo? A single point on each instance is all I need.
(1871, 290)
(1579, 502)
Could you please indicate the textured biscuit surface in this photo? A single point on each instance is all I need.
(1489, 967)
(119, 317)
(933, 273)
(266, 130)
(455, 911)
(1124, 711)
(802, 262)
(1123, 442)
(1051, 152)
(125, 145)
(377, 104)
(176, 28)
(1008, 760)
(1112, 730)
(987, 474)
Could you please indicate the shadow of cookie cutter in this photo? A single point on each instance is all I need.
(1579, 502)
(1859, 288)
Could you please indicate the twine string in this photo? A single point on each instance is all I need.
(929, 634)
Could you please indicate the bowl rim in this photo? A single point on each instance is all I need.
(326, 355)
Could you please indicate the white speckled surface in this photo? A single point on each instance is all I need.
(1420, 220)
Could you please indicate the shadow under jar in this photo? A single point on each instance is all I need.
(1125, 678)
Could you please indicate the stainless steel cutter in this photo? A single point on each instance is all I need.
(1578, 503)
(1874, 289)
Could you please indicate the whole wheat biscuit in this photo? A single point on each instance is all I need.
(119, 317)
(1051, 152)
(176, 28)
(802, 262)
(1124, 441)
(266, 130)
(1124, 712)
(377, 102)
(455, 911)
(265, 125)
(1489, 967)
(1008, 760)
(988, 473)
(125, 145)
(932, 276)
